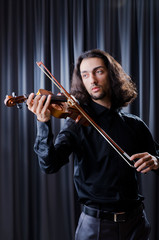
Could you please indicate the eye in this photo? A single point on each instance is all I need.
(84, 75)
(99, 71)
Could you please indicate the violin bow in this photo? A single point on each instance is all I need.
(73, 102)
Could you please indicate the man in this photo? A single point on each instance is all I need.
(106, 185)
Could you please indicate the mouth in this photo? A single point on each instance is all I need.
(95, 89)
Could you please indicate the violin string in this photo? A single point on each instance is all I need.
(123, 154)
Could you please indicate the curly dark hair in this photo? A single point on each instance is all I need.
(123, 89)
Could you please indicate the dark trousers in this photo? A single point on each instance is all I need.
(91, 228)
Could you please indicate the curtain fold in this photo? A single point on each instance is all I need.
(35, 206)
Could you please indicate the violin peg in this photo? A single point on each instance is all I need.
(13, 94)
(19, 106)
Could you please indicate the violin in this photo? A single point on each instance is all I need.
(67, 106)
(60, 107)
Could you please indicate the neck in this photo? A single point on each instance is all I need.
(104, 102)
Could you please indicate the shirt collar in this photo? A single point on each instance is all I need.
(99, 109)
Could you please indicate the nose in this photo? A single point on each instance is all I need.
(93, 78)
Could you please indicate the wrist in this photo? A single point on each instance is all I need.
(157, 162)
(43, 120)
(157, 157)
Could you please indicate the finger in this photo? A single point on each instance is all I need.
(152, 164)
(33, 104)
(43, 104)
(30, 99)
(146, 166)
(138, 155)
(143, 160)
(142, 166)
(39, 104)
(144, 169)
(47, 104)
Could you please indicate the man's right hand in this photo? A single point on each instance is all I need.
(39, 106)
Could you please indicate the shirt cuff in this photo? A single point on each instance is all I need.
(43, 128)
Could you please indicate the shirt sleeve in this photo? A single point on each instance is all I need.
(52, 156)
(144, 139)
(150, 145)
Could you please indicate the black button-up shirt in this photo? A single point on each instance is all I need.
(101, 176)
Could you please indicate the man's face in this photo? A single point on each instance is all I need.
(95, 79)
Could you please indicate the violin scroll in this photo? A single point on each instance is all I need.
(11, 101)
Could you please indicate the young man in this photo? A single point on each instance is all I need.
(106, 185)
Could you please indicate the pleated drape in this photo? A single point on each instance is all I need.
(35, 206)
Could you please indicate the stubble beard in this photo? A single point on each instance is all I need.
(98, 97)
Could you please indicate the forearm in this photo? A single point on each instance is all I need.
(50, 158)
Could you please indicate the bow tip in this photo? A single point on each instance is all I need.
(38, 63)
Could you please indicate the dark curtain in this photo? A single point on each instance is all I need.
(35, 206)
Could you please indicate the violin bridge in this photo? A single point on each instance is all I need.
(72, 101)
